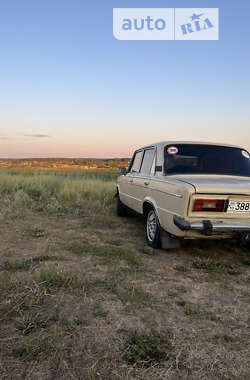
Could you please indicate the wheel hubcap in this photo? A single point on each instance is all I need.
(151, 225)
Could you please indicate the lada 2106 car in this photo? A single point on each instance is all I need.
(188, 190)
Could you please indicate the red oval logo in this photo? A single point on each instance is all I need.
(172, 150)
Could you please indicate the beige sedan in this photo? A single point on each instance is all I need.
(188, 190)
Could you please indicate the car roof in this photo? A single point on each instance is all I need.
(176, 142)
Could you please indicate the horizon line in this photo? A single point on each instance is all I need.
(66, 157)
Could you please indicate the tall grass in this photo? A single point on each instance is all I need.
(102, 174)
(78, 193)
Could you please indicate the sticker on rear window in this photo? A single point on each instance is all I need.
(245, 154)
(172, 150)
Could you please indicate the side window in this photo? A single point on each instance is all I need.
(147, 161)
(153, 166)
(137, 162)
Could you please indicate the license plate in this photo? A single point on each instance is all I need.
(235, 206)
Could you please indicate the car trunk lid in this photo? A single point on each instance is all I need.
(217, 184)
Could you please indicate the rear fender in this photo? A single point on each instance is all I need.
(154, 205)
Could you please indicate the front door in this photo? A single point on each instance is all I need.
(128, 186)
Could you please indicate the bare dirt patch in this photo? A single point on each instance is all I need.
(83, 298)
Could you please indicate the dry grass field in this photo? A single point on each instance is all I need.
(83, 297)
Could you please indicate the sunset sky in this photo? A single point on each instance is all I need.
(68, 88)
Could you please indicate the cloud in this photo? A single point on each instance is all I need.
(3, 138)
(37, 135)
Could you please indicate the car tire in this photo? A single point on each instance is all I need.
(153, 229)
(244, 241)
(121, 209)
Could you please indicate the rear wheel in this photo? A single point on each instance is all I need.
(244, 240)
(121, 209)
(153, 229)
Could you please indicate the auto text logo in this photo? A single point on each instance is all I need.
(166, 23)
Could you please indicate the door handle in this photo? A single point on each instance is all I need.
(146, 183)
(131, 180)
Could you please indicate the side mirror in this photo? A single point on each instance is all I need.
(122, 171)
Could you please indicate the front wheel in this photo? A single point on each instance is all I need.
(153, 229)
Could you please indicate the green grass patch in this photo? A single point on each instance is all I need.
(99, 312)
(43, 258)
(134, 295)
(228, 338)
(57, 278)
(37, 233)
(109, 254)
(35, 348)
(117, 243)
(127, 294)
(79, 321)
(194, 310)
(68, 326)
(35, 299)
(210, 266)
(30, 323)
(79, 249)
(145, 350)
(220, 338)
(146, 250)
(15, 265)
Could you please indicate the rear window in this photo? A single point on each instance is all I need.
(206, 159)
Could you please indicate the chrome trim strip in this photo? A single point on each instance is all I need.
(156, 180)
(126, 195)
(167, 211)
(221, 227)
(209, 227)
(224, 194)
(153, 178)
(166, 192)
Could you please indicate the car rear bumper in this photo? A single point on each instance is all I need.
(209, 228)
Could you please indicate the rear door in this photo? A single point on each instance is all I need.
(141, 180)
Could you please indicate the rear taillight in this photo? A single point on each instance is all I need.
(212, 205)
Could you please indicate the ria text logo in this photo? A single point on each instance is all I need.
(166, 23)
